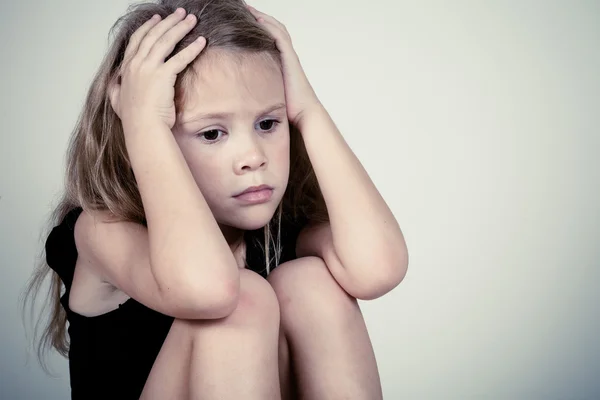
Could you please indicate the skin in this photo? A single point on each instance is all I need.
(333, 354)
(367, 257)
(249, 146)
(298, 334)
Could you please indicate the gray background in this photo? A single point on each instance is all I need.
(478, 121)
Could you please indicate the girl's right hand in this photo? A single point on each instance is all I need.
(147, 87)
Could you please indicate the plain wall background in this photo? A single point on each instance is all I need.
(477, 120)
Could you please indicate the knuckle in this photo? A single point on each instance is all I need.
(138, 36)
(147, 40)
(163, 72)
(164, 40)
(135, 38)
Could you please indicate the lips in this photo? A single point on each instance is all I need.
(253, 189)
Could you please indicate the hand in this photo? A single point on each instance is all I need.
(147, 86)
(299, 94)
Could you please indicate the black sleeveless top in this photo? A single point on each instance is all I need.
(111, 355)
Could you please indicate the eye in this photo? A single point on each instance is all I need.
(268, 125)
(210, 136)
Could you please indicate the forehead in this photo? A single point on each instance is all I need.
(228, 82)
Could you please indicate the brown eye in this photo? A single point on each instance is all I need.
(268, 125)
(211, 135)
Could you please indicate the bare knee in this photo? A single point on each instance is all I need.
(257, 307)
(258, 304)
(306, 287)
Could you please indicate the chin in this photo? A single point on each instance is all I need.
(250, 218)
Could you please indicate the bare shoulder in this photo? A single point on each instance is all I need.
(114, 264)
(100, 241)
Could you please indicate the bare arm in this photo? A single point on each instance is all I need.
(181, 264)
(363, 244)
(119, 253)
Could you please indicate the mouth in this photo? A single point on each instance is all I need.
(255, 194)
(254, 189)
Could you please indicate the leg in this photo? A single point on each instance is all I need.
(230, 358)
(330, 349)
(286, 373)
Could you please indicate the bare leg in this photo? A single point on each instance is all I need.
(231, 358)
(286, 373)
(330, 349)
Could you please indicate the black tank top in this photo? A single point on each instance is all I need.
(111, 355)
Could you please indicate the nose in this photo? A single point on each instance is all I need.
(251, 158)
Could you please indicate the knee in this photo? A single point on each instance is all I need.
(305, 288)
(257, 306)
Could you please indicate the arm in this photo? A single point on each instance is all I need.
(182, 264)
(362, 245)
(118, 253)
(187, 252)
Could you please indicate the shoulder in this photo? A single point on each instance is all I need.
(99, 239)
(98, 230)
(92, 233)
(103, 239)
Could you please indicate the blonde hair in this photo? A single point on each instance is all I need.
(99, 175)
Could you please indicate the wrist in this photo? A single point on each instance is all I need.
(142, 125)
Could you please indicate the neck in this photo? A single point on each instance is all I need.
(233, 235)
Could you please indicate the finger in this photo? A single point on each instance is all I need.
(157, 31)
(179, 61)
(167, 42)
(138, 35)
(259, 15)
(277, 32)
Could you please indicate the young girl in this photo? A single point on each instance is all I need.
(203, 160)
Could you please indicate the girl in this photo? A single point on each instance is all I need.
(203, 160)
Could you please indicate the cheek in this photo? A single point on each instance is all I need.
(207, 173)
(210, 181)
(280, 153)
(282, 159)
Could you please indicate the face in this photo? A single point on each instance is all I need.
(234, 134)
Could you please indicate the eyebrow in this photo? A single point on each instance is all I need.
(225, 115)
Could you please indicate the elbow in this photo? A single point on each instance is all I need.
(224, 297)
(203, 297)
(374, 289)
(387, 277)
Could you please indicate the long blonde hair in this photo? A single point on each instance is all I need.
(99, 175)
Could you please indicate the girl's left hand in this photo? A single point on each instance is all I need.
(299, 94)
